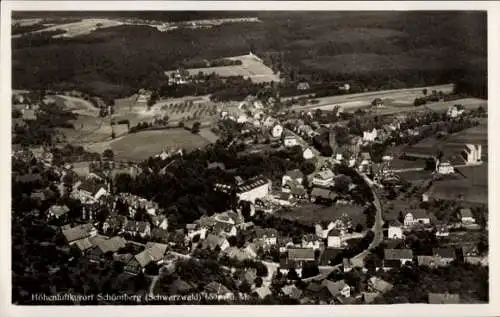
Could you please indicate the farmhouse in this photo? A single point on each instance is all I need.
(293, 176)
(311, 241)
(446, 255)
(79, 232)
(141, 228)
(334, 239)
(213, 241)
(266, 236)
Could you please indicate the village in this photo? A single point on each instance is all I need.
(353, 199)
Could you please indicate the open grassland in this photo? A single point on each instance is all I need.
(83, 27)
(142, 145)
(311, 214)
(468, 103)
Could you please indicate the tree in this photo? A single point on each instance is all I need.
(108, 154)
(424, 91)
(342, 184)
(261, 270)
(196, 128)
(359, 228)
(292, 275)
(258, 281)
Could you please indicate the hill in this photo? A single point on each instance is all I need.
(376, 49)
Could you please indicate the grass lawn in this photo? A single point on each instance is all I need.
(142, 145)
(311, 214)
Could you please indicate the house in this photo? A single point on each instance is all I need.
(253, 189)
(323, 195)
(246, 276)
(83, 244)
(29, 115)
(370, 136)
(471, 254)
(290, 140)
(466, 216)
(114, 224)
(444, 298)
(394, 258)
(238, 254)
(291, 291)
(378, 285)
(311, 241)
(308, 154)
(276, 131)
(224, 229)
(447, 255)
(395, 231)
(267, 236)
(160, 222)
(213, 241)
(141, 228)
(472, 154)
(216, 288)
(216, 165)
(156, 251)
(444, 168)
(455, 111)
(57, 211)
(442, 231)
(296, 259)
(262, 292)
(416, 216)
(323, 178)
(338, 288)
(294, 176)
(195, 229)
(111, 245)
(303, 86)
(89, 191)
(79, 232)
(334, 239)
(133, 266)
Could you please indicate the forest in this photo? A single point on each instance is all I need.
(375, 50)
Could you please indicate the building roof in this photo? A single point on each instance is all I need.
(334, 287)
(466, 213)
(235, 253)
(323, 193)
(325, 174)
(294, 174)
(124, 258)
(216, 165)
(301, 254)
(179, 287)
(398, 254)
(470, 250)
(216, 288)
(83, 244)
(112, 245)
(447, 253)
(262, 291)
(156, 250)
(144, 258)
(252, 184)
(58, 210)
(429, 260)
(419, 213)
(334, 233)
(444, 298)
(91, 186)
(78, 232)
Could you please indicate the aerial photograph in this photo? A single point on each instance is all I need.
(249, 157)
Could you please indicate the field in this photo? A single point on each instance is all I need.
(473, 188)
(252, 68)
(142, 145)
(453, 144)
(380, 50)
(468, 103)
(311, 214)
(397, 99)
(83, 27)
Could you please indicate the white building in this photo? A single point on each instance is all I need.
(444, 168)
(323, 178)
(370, 136)
(472, 153)
(253, 189)
(334, 239)
(308, 154)
(323, 232)
(290, 141)
(395, 231)
(276, 131)
(294, 176)
(454, 111)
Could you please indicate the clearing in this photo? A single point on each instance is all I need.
(142, 145)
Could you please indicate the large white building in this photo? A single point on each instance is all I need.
(324, 178)
(444, 168)
(472, 153)
(253, 189)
